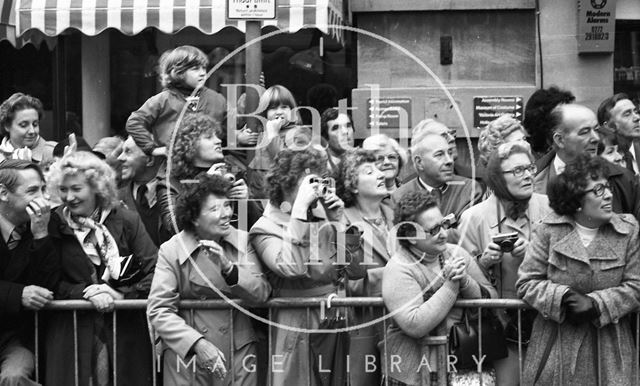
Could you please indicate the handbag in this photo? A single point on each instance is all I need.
(329, 351)
(464, 340)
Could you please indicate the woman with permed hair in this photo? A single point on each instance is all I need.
(197, 149)
(390, 158)
(106, 255)
(20, 117)
(208, 254)
(183, 73)
(420, 286)
(582, 274)
(361, 185)
(503, 129)
(296, 240)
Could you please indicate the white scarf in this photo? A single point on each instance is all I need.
(97, 242)
(10, 152)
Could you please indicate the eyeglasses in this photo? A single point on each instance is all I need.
(392, 157)
(518, 171)
(598, 189)
(446, 223)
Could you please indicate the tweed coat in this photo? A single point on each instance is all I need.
(177, 278)
(480, 223)
(608, 271)
(297, 268)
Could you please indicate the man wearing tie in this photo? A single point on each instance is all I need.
(29, 266)
(138, 191)
(620, 114)
(574, 132)
(433, 159)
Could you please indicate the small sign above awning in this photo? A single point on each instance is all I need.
(91, 17)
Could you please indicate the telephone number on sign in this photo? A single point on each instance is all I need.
(596, 36)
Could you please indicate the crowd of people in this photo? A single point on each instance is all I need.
(171, 213)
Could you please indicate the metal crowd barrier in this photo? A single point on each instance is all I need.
(440, 343)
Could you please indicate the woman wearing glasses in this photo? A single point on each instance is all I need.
(582, 273)
(421, 284)
(512, 208)
(390, 158)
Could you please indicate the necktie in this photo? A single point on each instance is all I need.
(629, 160)
(16, 236)
(141, 200)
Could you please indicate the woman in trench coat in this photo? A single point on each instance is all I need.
(582, 274)
(206, 260)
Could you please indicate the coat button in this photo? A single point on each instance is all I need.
(223, 330)
(545, 315)
(205, 330)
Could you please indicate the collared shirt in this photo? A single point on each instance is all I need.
(559, 165)
(429, 188)
(6, 227)
(150, 194)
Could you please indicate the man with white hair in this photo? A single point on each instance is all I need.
(433, 158)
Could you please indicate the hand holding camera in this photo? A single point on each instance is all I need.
(491, 256)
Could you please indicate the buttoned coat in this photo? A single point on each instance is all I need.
(481, 222)
(608, 271)
(296, 268)
(185, 271)
(76, 274)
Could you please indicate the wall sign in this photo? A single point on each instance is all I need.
(251, 9)
(389, 113)
(596, 25)
(488, 108)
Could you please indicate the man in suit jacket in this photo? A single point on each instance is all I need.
(620, 114)
(574, 133)
(433, 158)
(138, 190)
(29, 265)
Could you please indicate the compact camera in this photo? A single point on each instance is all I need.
(327, 186)
(506, 241)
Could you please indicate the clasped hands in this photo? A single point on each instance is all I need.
(102, 296)
(579, 308)
(455, 269)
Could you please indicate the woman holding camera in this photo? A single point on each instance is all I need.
(298, 245)
(582, 273)
(420, 286)
(197, 149)
(207, 259)
(498, 230)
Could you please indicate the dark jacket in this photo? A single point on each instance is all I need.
(624, 184)
(32, 262)
(132, 336)
(150, 216)
(152, 124)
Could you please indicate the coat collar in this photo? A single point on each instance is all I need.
(353, 216)
(189, 244)
(113, 222)
(618, 223)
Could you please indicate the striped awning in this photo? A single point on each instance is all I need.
(7, 21)
(91, 17)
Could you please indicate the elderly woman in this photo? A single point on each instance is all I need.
(421, 284)
(208, 259)
(582, 273)
(390, 158)
(197, 149)
(362, 187)
(513, 207)
(299, 249)
(106, 255)
(337, 130)
(20, 117)
(504, 129)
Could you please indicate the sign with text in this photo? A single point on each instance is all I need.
(488, 108)
(251, 9)
(596, 25)
(389, 113)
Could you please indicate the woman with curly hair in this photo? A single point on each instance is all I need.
(421, 284)
(106, 255)
(208, 251)
(197, 149)
(582, 274)
(513, 207)
(362, 187)
(390, 158)
(504, 129)
(296, 240)
(20, 117)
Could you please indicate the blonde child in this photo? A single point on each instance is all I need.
(183, 70)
